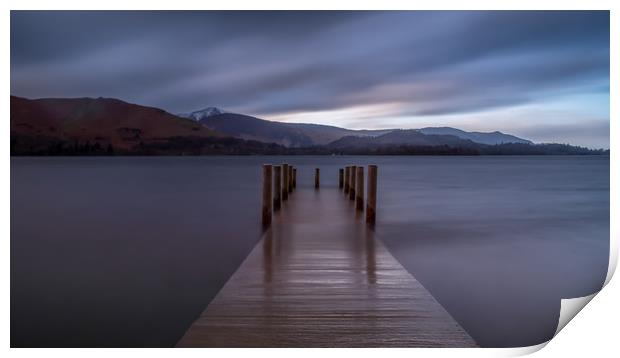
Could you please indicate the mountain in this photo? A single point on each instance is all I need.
(105, 121)
(490, 138)
(251, 128)
(201, 114)
(293, 135)
(413, 142)
(322, 134)
(100, 126)
(409, 137)
(297, 135)
(106, 125)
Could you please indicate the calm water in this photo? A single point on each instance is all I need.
(128, 251)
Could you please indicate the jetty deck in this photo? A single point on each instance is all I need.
(319, 277)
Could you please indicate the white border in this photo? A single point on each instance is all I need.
(594, 330)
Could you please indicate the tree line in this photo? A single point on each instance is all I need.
(47, 146)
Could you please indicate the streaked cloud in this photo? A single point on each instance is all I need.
(354, 69)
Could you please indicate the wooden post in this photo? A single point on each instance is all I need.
(371, 200)
(294, 178)
(267, 195)
(359, 189)
(352, 184)
(284, 182)
(277, 187)
(316, 178)
(290, 178)
(346, 180)
(340, 177)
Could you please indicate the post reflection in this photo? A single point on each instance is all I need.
(371, 256)
(268, 256)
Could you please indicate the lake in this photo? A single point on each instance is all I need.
(128, 251)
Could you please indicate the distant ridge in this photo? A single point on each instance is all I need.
(108, 126)
(297, 135)
(293, 135)
(252, 128)
(414, 142)
(402, 137)
(490, 138)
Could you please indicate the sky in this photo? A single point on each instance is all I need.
(541, 75)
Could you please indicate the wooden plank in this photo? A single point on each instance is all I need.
(320, 278)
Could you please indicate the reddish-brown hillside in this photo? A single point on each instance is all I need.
(101, 121)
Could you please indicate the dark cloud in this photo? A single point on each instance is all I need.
(271, 62)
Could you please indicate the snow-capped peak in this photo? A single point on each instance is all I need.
(203, 113)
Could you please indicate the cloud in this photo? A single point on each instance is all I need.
(275, 63)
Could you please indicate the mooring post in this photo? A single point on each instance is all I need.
(294, 178)
(359, 190)
(352, 184)
(290, 178)
(340, 177)
(316, 178)
(277, 187)
(346, 180)
(267, 203)
(284, 182)
(371, 200)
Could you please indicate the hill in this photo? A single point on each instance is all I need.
(296, 135)
(292, 135)
(490, 138)
(410, 137)
(413, 142)
(106, 126)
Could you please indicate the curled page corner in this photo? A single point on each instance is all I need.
(613, 259)
(569, 309)
(523, 351)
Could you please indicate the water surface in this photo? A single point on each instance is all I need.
(128, 251)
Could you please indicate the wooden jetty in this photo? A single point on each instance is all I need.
(320, 277)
